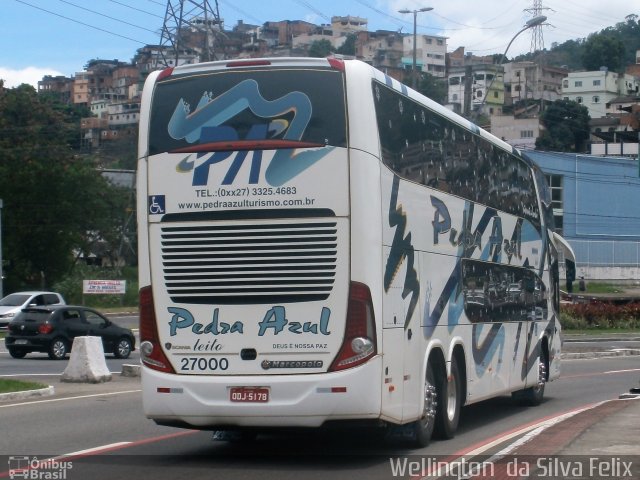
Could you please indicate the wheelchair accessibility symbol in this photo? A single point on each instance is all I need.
(156, 204)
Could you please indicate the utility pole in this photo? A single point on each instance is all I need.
(468, 85)
(190, 18)
(414, 73)
(537, 40)
(530, 24)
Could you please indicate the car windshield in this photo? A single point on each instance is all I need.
(13, 300)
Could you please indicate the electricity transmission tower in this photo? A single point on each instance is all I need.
(190, 26)
(537, 40)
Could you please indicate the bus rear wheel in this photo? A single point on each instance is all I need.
(533, 396)
(449, 392)
(423, 428)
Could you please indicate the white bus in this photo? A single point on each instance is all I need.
(320, 243)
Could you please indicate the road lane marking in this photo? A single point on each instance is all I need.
(624, 371)
(94, 450)
(594, 374)
(78, 397)
(530, 431)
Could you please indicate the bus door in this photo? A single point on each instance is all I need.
(393, 347)
(403, 347)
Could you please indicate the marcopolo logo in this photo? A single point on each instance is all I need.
(31, 468)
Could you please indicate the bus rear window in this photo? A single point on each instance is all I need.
(261, 109)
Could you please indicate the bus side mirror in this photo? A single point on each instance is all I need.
(571, 274)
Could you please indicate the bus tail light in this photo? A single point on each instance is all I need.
(151, 352)
(336, 63)
(359, 343)
(167, 72)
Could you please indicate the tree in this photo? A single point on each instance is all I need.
(349, 45)
(55, 202)
(566, 127)
(603, 51)
(320, 48)
(433, 87)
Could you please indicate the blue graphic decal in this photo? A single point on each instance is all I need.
(484, 351)
(275, 321)
(205, 124)
(534, 350)
(401, 248)
(182, 318)
(469, 241)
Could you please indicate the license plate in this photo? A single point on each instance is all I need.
(249, 394)
(20, 342)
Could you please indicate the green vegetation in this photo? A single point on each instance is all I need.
(600, 316)
(321, 48)
(349, 45)
(433, 87)
(592, 332)
(613, 47)
(600, 287)
(566, 127)
(58, 207)
(603, 51)
(10, 386)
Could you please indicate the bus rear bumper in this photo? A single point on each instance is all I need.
(307, 400)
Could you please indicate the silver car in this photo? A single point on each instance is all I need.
(12, 304)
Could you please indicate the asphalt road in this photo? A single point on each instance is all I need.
(67, 426)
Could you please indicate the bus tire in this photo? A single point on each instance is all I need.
(423, 428)
(449, 390)
(533, 396)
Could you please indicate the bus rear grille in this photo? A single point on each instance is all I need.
(256, 263)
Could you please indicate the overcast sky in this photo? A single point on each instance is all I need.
(58, 37)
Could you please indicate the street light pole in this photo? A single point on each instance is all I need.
(534, 22)
(415, 24)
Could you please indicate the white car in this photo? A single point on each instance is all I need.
(12, 304)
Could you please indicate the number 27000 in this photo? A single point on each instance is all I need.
(189, 364)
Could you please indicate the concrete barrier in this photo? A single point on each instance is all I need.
(130, 370)
(87, 363)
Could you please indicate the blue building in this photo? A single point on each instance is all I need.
(596, 203)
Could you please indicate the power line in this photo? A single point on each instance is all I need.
(136, 9)
(106, 16)
(80, 23)
(240, 11)
(313, 9)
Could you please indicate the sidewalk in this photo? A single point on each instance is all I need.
(586, 346)
(598, 443)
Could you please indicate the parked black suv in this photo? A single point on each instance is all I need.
(51, 329)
